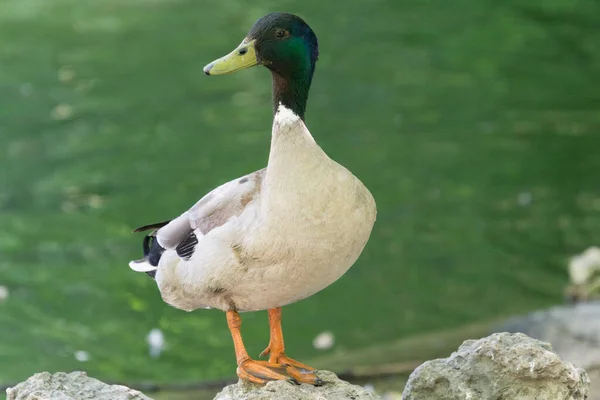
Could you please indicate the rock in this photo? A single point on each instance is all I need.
(333, 389)
(573, 331)
(501, 366)
(584, 276)
(72, 386)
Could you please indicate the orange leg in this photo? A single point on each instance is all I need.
(248, 369)
(276, 352)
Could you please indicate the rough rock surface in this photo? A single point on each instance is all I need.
(72, 386)
(501, 366)
(333, 389)
(573, 331)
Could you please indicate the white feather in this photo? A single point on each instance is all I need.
(142, 266)
(285, 116)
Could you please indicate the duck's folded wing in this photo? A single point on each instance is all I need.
(213, 210)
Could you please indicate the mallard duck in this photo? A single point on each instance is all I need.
(277, 235)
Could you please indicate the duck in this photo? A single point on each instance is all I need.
(277, 235)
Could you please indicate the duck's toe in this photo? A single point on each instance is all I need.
(261, 372)
(302, 375)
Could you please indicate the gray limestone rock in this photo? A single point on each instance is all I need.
(70, 386)
(333, 389)
(501, 366)
(573, 331)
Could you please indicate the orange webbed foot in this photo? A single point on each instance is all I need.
(276, 352)
(302, 373)
(261, 372)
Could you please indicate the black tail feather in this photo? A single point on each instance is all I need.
(155, 225)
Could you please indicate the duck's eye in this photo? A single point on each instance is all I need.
(281, 33)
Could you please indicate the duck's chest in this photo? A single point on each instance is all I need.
(317, 210)
(312, 209)
(309, 238)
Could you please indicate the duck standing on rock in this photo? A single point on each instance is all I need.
(277, 235)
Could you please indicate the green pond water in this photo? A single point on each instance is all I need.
(474, 123)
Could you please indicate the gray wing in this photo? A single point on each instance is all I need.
(213, 210)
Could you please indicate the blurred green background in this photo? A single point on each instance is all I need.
(475, 124)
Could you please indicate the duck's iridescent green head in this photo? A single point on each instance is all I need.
(286, 45)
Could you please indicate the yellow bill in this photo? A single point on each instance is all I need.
(243, 56)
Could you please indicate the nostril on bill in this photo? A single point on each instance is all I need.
(242, 51)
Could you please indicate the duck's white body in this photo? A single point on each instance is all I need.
(271, 238)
